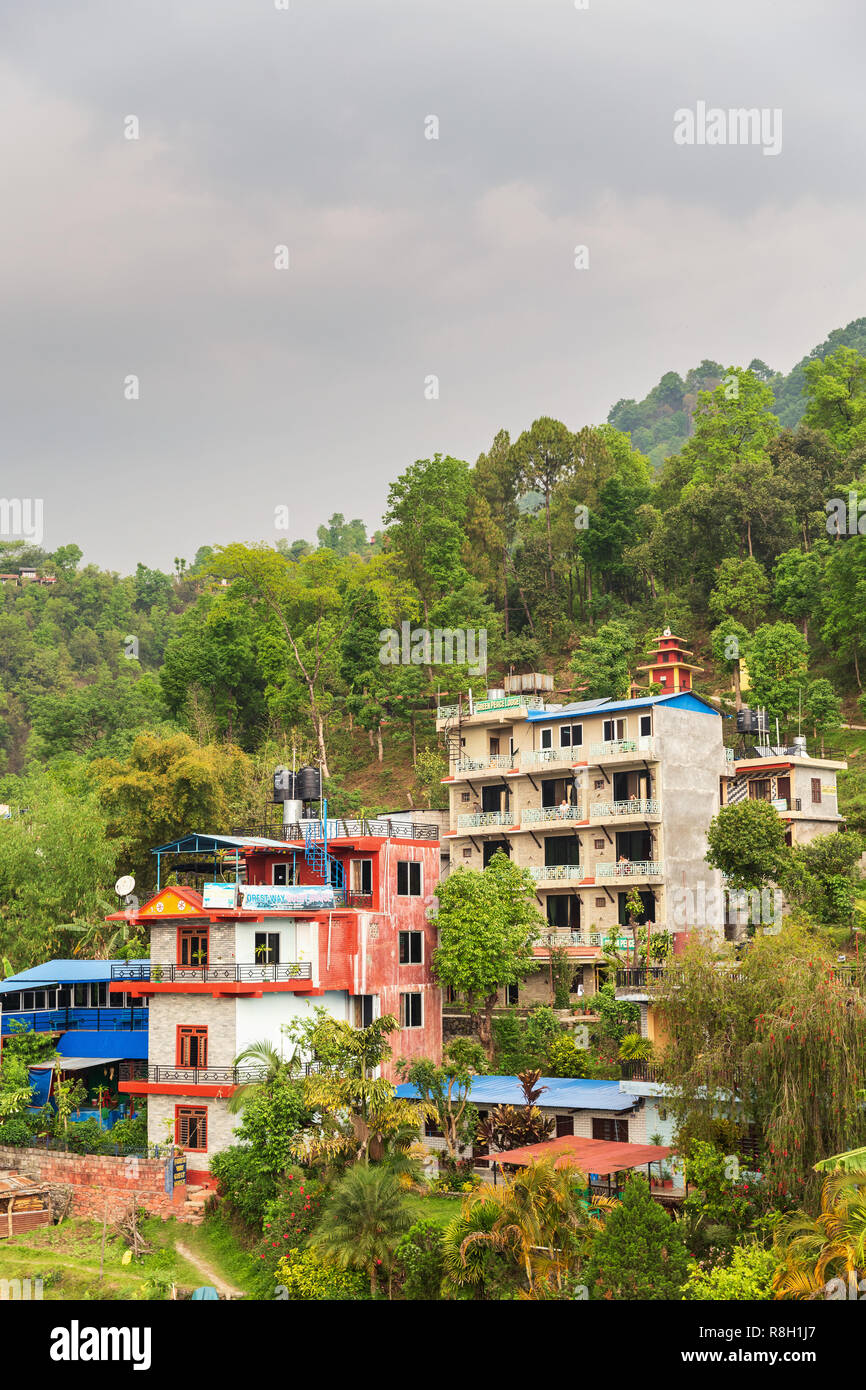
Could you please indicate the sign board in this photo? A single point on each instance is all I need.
(267, 897)
(175, 1172)
(219, 895)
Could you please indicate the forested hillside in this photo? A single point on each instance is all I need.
(133, 708)
(660, 424)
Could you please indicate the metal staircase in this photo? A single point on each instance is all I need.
(316, 851)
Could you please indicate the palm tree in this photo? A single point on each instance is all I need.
(360, 1225)
(262, 1054)
(538, 1218)
(815, 1248)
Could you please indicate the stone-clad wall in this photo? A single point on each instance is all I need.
(168, 1011)
(220, 1125)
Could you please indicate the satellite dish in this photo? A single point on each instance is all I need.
(124, 885)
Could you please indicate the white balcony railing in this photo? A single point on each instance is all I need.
(552, 813)
(576, 937)
(629, 868)
(482, 818)
(553, 872)
(612, 748)
(634, 807)
(493, 761)
(535, 756)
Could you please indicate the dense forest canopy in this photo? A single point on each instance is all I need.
(156, 703)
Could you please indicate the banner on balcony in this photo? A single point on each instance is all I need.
(272, 898)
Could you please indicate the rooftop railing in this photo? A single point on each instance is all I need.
(382, 827)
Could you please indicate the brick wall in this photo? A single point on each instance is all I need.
(97, 1183)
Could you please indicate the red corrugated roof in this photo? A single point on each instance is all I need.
(591, 1155)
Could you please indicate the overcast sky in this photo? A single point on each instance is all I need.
(409, 257)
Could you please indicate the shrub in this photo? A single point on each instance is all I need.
(420, 1262)
(288, 1221)
(243, 1184)
(747, 1277)
(640, 1253)
(306, 1277)
(130, 1133)
(86, 1137)
(17, 1130)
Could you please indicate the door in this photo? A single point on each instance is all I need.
(564, 1125)
(491, 799)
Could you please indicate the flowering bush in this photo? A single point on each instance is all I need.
(288, 1219)
(306, 1277)
(748, 1276)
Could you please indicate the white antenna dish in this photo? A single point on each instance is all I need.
(124, 885)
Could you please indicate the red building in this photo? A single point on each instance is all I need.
(272, 929)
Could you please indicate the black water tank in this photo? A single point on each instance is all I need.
(284, 784)
(747, 720)
(308, 784)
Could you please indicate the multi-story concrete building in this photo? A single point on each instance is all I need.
(597, 798)
(274, 928)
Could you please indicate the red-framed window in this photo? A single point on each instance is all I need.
(191, 1046)
(190, 1127)
(192, 945)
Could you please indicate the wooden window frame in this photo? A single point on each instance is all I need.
(187, 1113)
(186, 933)
(185, 1033)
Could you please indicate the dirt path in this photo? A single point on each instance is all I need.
(211, 1276)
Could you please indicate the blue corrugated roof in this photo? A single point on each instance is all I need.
(63, 972)
(563, 1093)
(685, 699)
(96, 1045)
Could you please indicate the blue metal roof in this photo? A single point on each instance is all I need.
(684, 699)
(563, 1093)
(97, 1045)
(196, 843)
(63, 972)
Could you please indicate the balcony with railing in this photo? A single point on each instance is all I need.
(639, 976)
(191, 1076)
(541, 757)
(556, 873)
(478, 820)
(623, 748)
(575, 936)
(380, 827)
(635, 806)
(548, 814)
(630, 868)
(71, 1020)
(493, 762)
(258, 973)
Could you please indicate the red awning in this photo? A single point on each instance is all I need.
(600, 1156)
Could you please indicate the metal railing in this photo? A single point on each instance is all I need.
(633, 807)
(557, 871)
(258, 973)
(640, 1071)
(612, 748)
(639, 976)
(379, 827)
(481, 818)
(71, 1020)
(492, 761)
(551, 755)
(201, 1076)
(552, 813)
(629, 868)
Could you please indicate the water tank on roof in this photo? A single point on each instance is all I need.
(284, 784)
(308, 784)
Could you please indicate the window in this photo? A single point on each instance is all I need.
(599, 784)
(267, 948)
(816, 791)
(467, 854)
(280, 875)
(464, 796)
(598, 844)
(613, 1131)
(408, 879)
(614, 729)
(564, 1125)
(192, 946)
(411, 947)
(410, 1011)
(570, 735)
(512, 994)
(494, 747)
(361, 876)
(192, 1046)
(600, 902)
(561, 849)
(191, 1127)
(432, 1130)
(759, 789)
(646, 725)
(547, 738)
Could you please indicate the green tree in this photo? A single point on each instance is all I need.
(741, 592)
(640, 1252)
(603, 661)
(446, 1088)
(487, 923)
(836, 396)
(730, 644)
(542, 455)
(362, 1222)
(426, 516)
(797, 580)
(747, 843)
(778, 665)
(822, 708)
